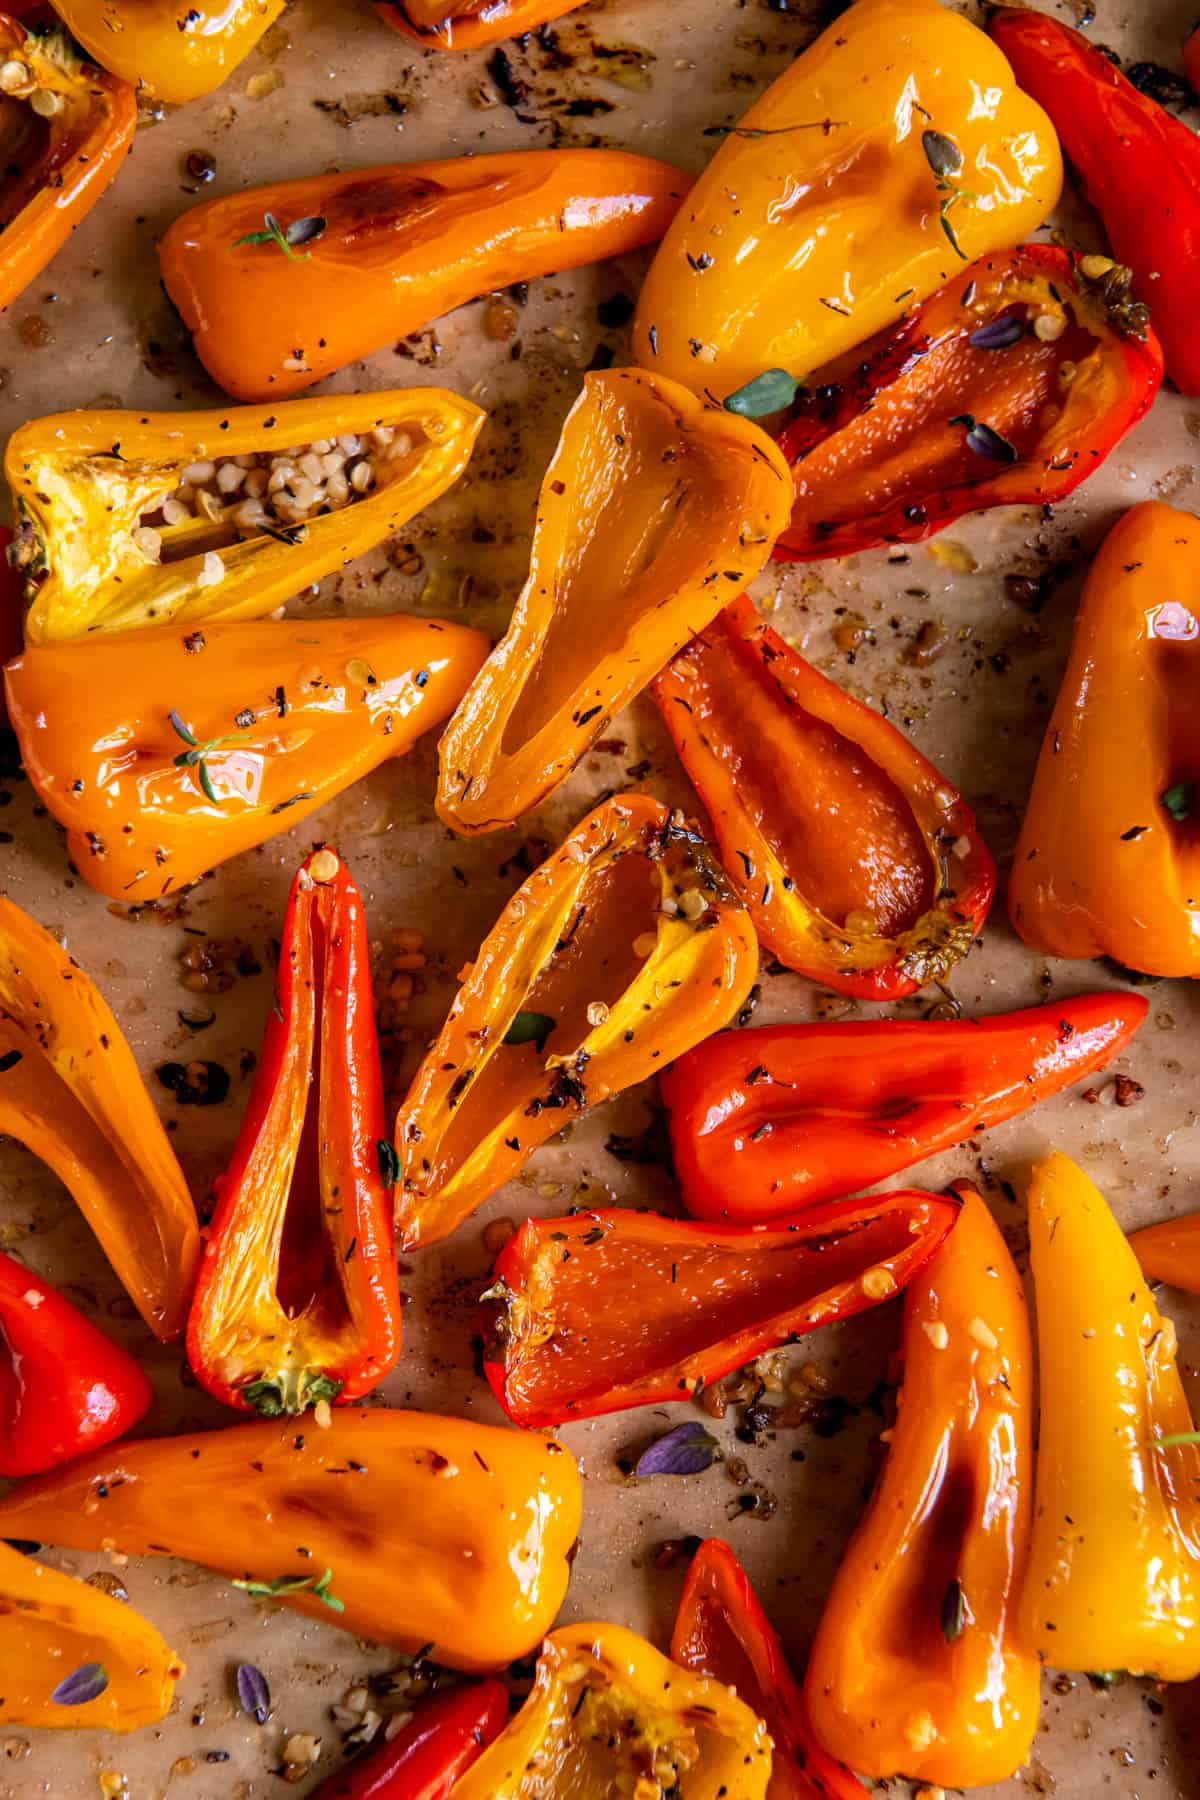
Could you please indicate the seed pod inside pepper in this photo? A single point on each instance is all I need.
(864, 870)
(467, 24)
(622, 950)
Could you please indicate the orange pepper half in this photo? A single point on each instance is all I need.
(174, 51)
(1170, 1251)
(860, 865)
(441, 25)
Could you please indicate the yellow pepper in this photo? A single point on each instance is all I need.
(894, 150)
(1113, 1580)
(176, 50)
(610, 1716)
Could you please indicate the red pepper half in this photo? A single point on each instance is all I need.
(297, 1298)
(766, 1121)
(64, 1387)
(1007, 387)
(424, 1761)
(603, 1310)
(721, 1630)
(1140, 168)
(862, 869)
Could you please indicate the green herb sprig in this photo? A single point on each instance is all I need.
(317, 1585)
(946, 161)
(197, 753)
(286, 237)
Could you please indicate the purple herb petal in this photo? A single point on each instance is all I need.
(686, 1450)
(82, 1686)
(984, 440)
(998, 334)
(253, 1692)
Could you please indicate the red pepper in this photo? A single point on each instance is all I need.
(1139, 167)
(720, 1629)
(64, 1387)
(1191, 59)
(603, 1310)
(970, 402)
(767, 1121)
(863, 869)
(297, 1299)
(424, 1761)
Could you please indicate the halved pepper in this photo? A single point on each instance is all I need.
(862, 868)
(296, 1299)
(134, 519)
(68, 127)
(1114, 1569)
(624, 949)
(603, 1310)
(62, 1637)
(71, 1091)
(429, 1754)
(654, 510)
(176, 50)
(281, 285)
(895, 148)
(1170, 1251)
(1108, 860)
(445, 25)
(435, 1532)
(919, 1666)
(166, 753)
(721, 1630)
(1008, 386)
(609, 1716)
(780, 1117)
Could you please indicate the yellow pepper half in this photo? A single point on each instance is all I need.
(1113, 1580)
(176, 50)
(897, 148)
(611, 1717)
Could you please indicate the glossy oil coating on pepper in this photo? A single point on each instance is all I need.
(721, 1630)
(466, 24)
(766, 1121)
(166, 753)
(1108, 860)
(1114, 1568)
(429, 1754)
(1170, 1252)
(380, 252)
(296, 1299)
(654, 510)
(107, 545)
(860, 865)
(896, 148)
(1139, 166)
(610, 1716)
(59, 161)
(175, 50)
(919, 1665)
(71, 1091)
(59, 1636)
(1009, 386)
(437, 1533)
(604, 1310)
(624, 949)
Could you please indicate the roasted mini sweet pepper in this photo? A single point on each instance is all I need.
(64, 1387)
(1191, 59)
(1010, 385)
(603, 1310)
(919, 1666)
(610, 1716)
(429, 1754)
(76, 128)
(165, 753)
(134, 519)
(1170, 1251)
(1108, 860)
(895, 149)
(721, 1630)
(296, 1299)
(175, 50)
(1139, 167)
(624, 949)
(863, 869)
(281, 285)
(411, 1529)
(73, 1657)
(766, 1121)
(467, 24)
(653, 512)
(71, 1091)
(1114, 1568)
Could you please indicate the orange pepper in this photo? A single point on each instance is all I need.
(380, 252)
(172, 50)
(1170, 1251)
(1108, 860)
(443, 25)
(918, 1665)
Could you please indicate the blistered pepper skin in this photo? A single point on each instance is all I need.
(1108, 860)
(443, 25)
(172, 50)
(819, 220)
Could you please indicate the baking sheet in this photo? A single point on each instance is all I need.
(331, 88)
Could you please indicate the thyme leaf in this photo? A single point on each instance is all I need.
(316, 1585)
